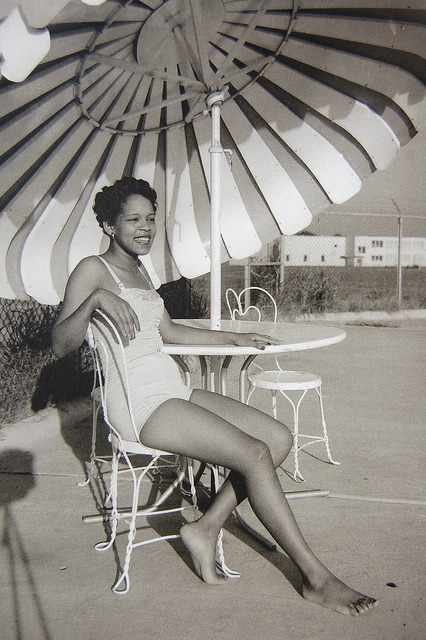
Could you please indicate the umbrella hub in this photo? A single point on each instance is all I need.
(178, 34)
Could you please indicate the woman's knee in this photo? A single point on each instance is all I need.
(280, 441)
(259, 452)
(285, 438)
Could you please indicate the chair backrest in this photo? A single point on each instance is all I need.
(102, 334)
(237, 303)
(241, 308)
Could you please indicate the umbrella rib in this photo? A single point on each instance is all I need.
(249, 66)
(183, 42)
(194, 109)
(187, 66)
(136, 68)
(146, 109)
(241, 41)
(201, 40)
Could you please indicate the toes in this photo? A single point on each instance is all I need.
(363, 604)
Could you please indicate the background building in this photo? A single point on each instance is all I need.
(382, 251)
(302, 250)
(337, 251)
(314, 251)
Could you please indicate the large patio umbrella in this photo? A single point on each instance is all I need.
(248, 117)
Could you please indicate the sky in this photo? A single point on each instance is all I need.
(404, 182)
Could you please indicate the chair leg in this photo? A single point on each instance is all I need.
(296, 435)
(124, 578)
(192, 489)
(297, 476)
(296, 408)
(274, 403)
(113, 517)
(95, 413)
(220, 563)
(152, 510)
(324, 428)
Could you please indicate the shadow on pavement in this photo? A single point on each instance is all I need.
(17, 480)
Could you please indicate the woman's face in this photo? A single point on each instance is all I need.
(135, 227)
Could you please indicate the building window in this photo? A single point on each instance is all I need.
(287, 257)
(322, 258)
(361, 249)
(377, 258)
(377, 243)
(305, 258)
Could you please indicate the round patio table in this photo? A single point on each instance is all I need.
(293, 336)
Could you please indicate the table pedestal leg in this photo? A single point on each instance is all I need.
(214, 370)
(242, 381)
(215, 374)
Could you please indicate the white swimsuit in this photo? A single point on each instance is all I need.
(154, 376)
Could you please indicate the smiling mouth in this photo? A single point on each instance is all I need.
(143, 240)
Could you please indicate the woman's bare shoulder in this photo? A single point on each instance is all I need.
(85, 278)
(90, 264)
(88, 275)
(89, 267)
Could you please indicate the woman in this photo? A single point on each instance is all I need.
(201, 425)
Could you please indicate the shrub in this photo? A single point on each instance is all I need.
(183, 300)
(19, 373)
(308, 291)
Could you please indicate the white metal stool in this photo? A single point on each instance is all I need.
(279, 379)
(284, 381)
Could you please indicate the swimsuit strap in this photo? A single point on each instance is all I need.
(147, 278)
(112, 273)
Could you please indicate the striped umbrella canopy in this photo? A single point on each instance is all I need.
(308, 97)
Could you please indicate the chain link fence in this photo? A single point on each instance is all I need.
(31, 377)
(24, 323)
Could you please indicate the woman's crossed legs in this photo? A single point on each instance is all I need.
(225, 432)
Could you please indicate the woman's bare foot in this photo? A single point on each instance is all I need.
(202, 548)
(332, 593)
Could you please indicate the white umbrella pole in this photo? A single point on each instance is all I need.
(215, 100)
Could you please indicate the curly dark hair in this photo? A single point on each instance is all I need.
(109, 202)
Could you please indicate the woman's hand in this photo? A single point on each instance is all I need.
(119, 311)
(255, 340)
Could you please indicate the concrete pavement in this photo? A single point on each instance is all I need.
(54, 586)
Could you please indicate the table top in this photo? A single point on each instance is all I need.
(297, 336)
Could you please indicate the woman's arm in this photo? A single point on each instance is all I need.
(173, 332)
(85, 292)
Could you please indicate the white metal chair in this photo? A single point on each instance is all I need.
(282, 381)
(101, 332)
